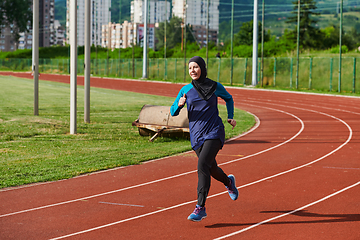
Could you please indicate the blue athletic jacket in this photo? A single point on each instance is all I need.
(204, 120)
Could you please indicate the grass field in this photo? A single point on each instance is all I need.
(40, 148)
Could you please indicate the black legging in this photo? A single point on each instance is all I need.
(207, 168)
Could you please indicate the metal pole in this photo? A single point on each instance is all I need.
(340, 43)
(133, 51)
(120, 34)
(185, 67)
(331, 73)
(35, 55)
(73, 64)
(232, 42)
(165, 28)
(298, 43)
(262, 42)
(246, 62)
(96, 39)
(145, 42)
(219, 68)
(274, 72)
(255, 45)
(108, 40)
(310, 74)
(87, 62)
(291, 72)
(207, 33)
(354, 75)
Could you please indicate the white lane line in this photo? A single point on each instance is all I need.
(289, 213)
(122, 204)
(342, 168)
(303, 104)
(218, 194)
(151, 182)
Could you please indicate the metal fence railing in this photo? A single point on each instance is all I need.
(318, 73)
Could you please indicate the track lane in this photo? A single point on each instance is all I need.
(220, 221)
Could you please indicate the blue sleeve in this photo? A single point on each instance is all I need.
(175, 109)
(221, 92)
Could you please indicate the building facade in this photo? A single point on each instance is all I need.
(159, 11)
(116, 35)
(7, 42)
(47, 32)
(196, 16)
(59, 34)
(100, 15)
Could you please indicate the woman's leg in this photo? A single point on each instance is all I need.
(207, 167)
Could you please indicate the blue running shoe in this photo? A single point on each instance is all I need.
(233, 191)
(198, 214)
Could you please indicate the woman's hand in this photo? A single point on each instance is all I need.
(232, 122)
(182, 101)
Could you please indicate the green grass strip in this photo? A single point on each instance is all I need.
(40, 148)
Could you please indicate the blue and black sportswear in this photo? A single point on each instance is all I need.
(204, 120)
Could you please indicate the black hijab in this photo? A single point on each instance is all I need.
(204, 86)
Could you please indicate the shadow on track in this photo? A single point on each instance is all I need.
(324, 218)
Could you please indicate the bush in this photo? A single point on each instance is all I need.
(344, 49)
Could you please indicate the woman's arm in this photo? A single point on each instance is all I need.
(221, 92)
(175, 108)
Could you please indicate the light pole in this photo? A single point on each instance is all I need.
(298, 46)
(35, 55)
(255, 45)
(87, 63)
(145, 39)
(73, 65)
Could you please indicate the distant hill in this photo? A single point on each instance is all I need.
(276, 13)
(60, 10)
(277, 8)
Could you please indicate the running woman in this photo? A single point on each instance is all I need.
(207, 133)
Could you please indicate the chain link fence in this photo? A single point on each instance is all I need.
(318, 73)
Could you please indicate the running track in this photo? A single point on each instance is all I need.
(298, 174)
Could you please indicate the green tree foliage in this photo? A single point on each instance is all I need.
(309, 35)
(124, 14)
(16, 13)
(225, 30)
(173, 33)
(331, 35)
(60, 11)
(245, 35)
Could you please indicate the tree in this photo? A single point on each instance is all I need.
(331, 37)
(309, 36)
(173, 33)
(122, 14)
(245, 35)
(17, 15)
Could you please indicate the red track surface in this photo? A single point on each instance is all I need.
(298, 174)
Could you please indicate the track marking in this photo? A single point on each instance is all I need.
(307, 105)
(246, 185)
(194, 201)
(342, 168)
(289, 213)
(122, 204)
(162, 179)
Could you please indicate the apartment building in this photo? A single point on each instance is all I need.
(100, 15)
(196, 16)
(47, 33)
(159, 11)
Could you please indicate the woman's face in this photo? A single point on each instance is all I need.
(194, 70)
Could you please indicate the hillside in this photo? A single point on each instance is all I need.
(60, 10)
(276, 14)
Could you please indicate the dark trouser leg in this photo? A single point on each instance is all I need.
(208, 167)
